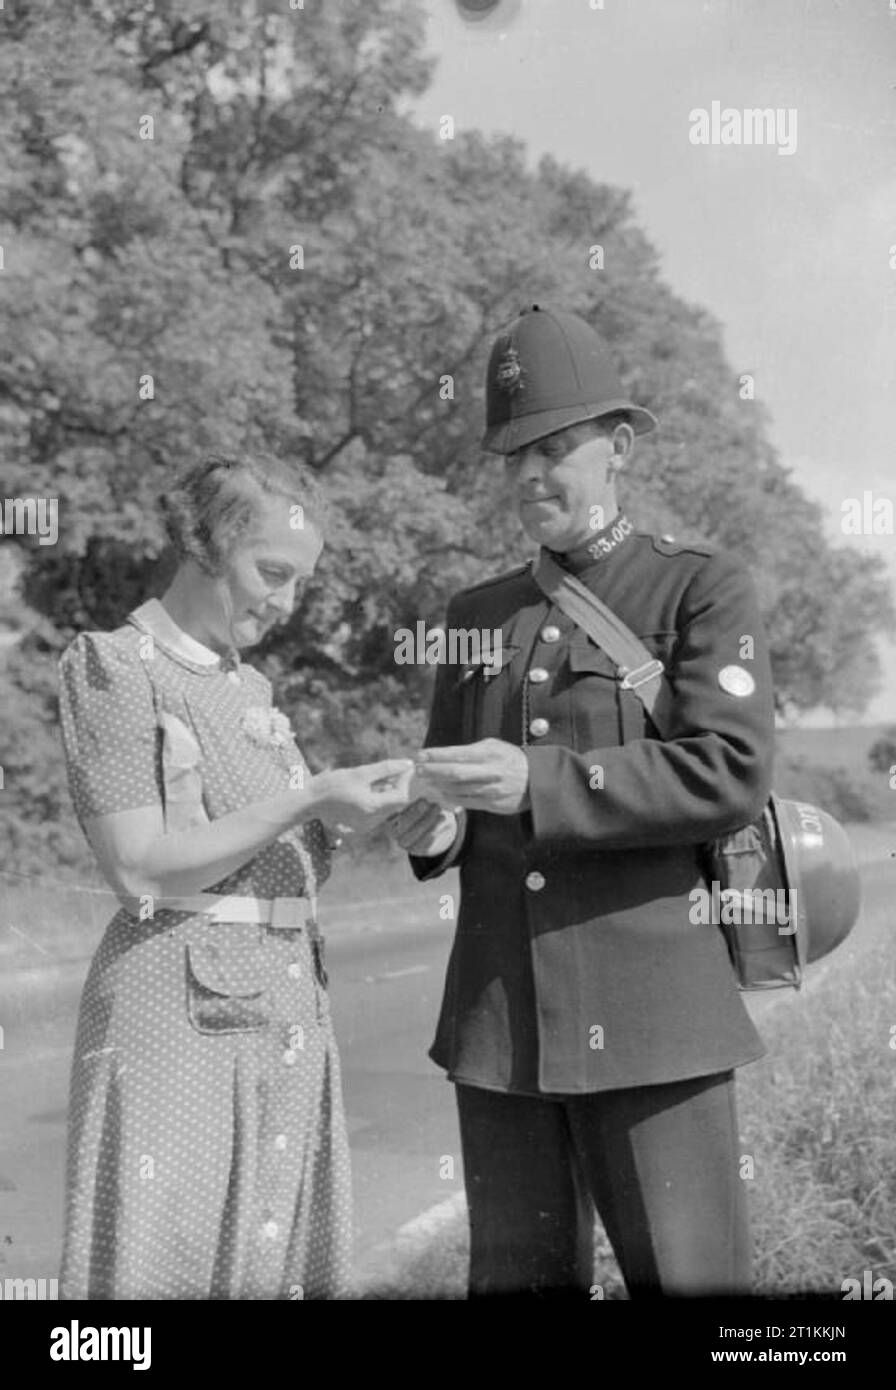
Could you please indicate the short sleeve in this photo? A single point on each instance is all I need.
(110, 731)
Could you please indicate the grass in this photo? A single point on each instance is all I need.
(818, 1114)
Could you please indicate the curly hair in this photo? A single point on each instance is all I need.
(212, 504)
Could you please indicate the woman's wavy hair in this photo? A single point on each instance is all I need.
(211, 505)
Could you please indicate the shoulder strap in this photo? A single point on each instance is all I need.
(636, 668)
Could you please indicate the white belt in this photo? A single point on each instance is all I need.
(281, 914)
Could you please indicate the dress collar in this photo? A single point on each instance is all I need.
(597, 547)
(155, 619)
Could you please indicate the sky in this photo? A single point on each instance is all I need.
(791, 252)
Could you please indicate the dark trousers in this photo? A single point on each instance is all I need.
(660, 1164)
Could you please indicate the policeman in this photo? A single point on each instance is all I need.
(590, 1026)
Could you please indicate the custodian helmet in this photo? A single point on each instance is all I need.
(548, 370)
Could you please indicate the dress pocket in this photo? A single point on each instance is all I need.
(226, 987)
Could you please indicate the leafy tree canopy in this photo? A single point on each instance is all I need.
(298, 267)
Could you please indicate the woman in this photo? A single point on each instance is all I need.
(207, 1145)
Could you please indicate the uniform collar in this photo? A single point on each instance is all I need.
(155, 619)
(597, 547)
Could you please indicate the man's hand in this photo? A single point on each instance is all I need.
(424, 828)
(490, 775)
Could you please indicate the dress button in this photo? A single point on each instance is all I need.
(270, 1229)
(289, 1057)
(535, 881)
(538, 675)
(294, 970)
(280, 1142)
(550, 633)
(538, 728)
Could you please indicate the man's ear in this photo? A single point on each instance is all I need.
(622, 440)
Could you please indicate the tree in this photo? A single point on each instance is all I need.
(222, 230)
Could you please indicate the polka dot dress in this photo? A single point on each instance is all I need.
(207, 1151)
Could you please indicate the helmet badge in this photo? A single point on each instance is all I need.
(509, 373)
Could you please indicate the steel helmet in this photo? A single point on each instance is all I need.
(548, 370)
(820, 866)
(801, 858)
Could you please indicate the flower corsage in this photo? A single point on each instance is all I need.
(266, 726)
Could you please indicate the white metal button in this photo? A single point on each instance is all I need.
(280, 1142)
(289, 1057)
(550, 633)
(270, 1229)
(538, 728)
(538, 675)
(535, 881)
(294, 970)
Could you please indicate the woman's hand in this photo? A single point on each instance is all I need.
(362, 797)
(424, 828)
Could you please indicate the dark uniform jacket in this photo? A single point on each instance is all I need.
(575, 965)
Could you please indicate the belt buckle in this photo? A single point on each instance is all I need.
(286, 914)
